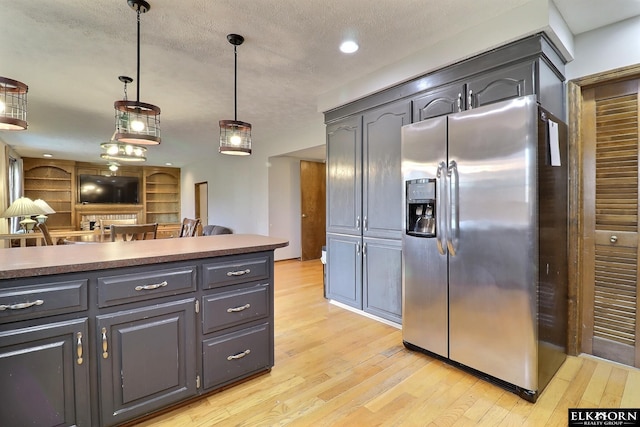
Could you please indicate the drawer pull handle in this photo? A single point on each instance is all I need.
(151, 287)
(105, 353)
(236, 309)
(239, 355)
(79, 347)
(238, 273)
(21, 305)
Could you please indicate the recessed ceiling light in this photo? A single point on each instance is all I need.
(47, 155)
(168, 164)
(349, 46)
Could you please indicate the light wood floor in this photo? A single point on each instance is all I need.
(337, 368)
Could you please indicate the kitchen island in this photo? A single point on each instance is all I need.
(105, 333)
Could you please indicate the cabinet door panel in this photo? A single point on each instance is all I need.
(149, 363)
(382, 178)
(505, 83)
(382, 286)
(439, 102)
(344, 269)
(344, 177)
(42, 380)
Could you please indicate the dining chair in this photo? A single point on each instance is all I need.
(127, 232)
(189, 227)
(105, 224)
(48, 240)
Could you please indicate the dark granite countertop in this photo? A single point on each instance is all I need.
(46, 260)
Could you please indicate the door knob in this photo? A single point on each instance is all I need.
(304, 215)
(613, 239)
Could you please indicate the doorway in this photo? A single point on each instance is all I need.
(202, 203)
(606, 213)
(312, 208)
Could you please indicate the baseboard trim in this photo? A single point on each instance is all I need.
(365, 314)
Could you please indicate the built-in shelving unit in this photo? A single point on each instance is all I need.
(53, 183)
(162, 195)
(56, 182)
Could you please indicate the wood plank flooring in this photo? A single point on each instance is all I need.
(334, 367)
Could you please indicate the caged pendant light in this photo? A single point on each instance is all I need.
(137, 122)
(13, 104)
(235, 136)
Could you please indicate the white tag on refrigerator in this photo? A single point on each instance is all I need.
(554, 143)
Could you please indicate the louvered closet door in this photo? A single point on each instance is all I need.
(610, 136)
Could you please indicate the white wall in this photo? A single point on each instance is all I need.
(284, 204)
(239, 185)
(606, 48)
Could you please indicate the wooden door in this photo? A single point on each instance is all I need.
(610, 268)
(202, 204)
(312, 208)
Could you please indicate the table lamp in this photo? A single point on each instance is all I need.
(25, 207)
(48, 210)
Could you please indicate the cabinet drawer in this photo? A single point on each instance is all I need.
(225, 309)
(236, 271)
(46, 299)
(125, 288)
(236, 355)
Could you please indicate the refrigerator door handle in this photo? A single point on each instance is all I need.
(441, 233)
(453, 229)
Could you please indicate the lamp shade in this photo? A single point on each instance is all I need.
(235, 137)
(23, 206)
(13, 104)
(48, 210)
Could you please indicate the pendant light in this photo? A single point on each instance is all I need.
(117, 151)
(13, 104)
(235, 136)
(137, 122)
(114, 150)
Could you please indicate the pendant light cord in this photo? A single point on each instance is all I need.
(138, 62)
(235, 83)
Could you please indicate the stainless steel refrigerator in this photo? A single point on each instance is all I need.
(485, 242)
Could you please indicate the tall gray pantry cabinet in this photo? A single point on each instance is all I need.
(364, 184)
(364, 209)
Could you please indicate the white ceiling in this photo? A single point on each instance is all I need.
(71, 52)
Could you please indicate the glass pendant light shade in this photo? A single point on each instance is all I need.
(136, 122)
(235, 137)
(114, 150)
(13, 104)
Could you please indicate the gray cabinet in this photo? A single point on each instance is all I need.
(382, 266)
(145, 359)
(501, 84)
(482, 89)
(104, 347)
(381, 175)
(441, 101)
(237, 319)
(44, 375)
(344, 176)
(364, 200)
(344, 269)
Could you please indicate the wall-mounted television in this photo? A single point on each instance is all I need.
(109, 189)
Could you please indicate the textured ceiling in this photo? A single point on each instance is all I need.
(71, 52)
